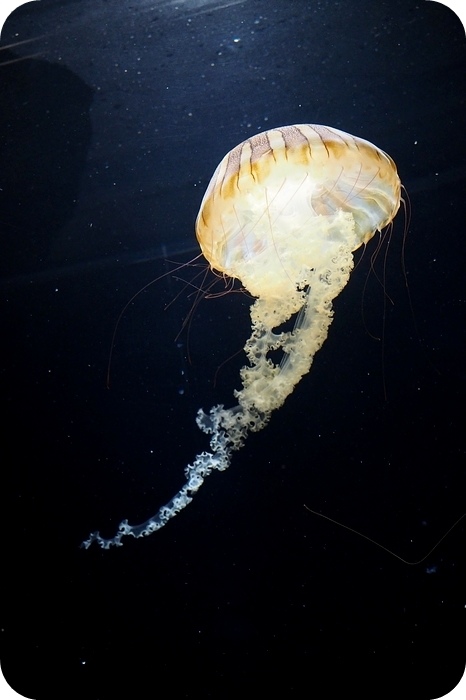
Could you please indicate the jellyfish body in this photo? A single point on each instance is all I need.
(283, 214)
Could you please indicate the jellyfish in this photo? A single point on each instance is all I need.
(283, 214)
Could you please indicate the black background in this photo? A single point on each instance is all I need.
(110, 129)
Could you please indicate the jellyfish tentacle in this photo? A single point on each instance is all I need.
(228, 429)
(196, 473)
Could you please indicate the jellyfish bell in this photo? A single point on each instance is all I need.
(283, 214)
(277, 202)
